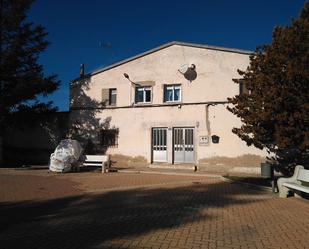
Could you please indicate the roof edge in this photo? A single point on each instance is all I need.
(195, 45)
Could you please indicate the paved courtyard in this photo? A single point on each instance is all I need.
(131, 210)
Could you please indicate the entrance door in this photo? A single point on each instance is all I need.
(159, 148)
(183, 145)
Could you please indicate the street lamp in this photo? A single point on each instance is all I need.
(128, 78)
(133, 83)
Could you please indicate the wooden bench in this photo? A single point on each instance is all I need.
(98, 160)
(299, 182)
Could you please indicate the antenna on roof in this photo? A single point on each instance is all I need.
(82, 70)
(189, 72)
(185, 68)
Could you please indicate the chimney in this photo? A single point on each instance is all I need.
(81, 70)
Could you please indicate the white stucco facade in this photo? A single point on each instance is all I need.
(202, 104)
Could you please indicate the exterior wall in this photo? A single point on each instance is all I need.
(215, 71)
(135, 126)
(33, 141)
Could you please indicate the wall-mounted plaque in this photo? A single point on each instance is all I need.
(203, 140)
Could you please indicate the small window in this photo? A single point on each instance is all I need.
(109, 137)
(112, 96)
(243, 88)
(109, 96)
(143, 94)
(172, 93)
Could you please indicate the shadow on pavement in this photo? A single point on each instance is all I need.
(87, 221)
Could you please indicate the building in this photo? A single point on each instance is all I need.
(165, 107)
(33, 137)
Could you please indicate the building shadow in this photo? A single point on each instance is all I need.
(85, 124)
(92, 220)
(32, 137)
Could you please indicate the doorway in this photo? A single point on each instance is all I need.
(183, 145)
(159, 144)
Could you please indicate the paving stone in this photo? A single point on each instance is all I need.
(126, 210)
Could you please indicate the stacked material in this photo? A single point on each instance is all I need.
(66, 155)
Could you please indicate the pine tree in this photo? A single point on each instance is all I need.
(22, 80)
(275, 110)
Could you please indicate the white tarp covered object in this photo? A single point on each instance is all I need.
(66, 154)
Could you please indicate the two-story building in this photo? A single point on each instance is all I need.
(165, 107)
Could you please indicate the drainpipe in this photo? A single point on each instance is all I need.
(207, 119)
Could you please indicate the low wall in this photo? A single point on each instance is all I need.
(242, 164)
(34, 141)
(1, 153)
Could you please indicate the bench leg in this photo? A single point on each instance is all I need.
(104, 168)
(297, 194)
(283, 192)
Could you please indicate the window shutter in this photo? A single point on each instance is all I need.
(135, 95)
(164, 93)
(105, 96)
(243, 88)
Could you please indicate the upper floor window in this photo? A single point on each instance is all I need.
(172, 93)
(112, 96)
(243, 88)
(143, 94)
(109, 96)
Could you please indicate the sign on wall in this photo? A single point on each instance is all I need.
(203, 140)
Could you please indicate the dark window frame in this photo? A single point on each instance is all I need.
(174, 87)
(243, 88)
(109, 137)
(110, 101)
(144, 89)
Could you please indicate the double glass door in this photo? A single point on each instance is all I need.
(183, 145)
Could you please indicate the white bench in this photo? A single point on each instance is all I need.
(299, 182)
(98, 160)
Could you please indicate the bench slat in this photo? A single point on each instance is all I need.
(296, 186)
(97, 158)
(92, 164)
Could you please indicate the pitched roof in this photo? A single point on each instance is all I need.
(232, 50)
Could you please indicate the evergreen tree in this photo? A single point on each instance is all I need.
(22, 80)
(275, 110)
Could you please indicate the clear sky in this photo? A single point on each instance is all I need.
(98, 33)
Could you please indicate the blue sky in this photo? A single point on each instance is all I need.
(79, 30)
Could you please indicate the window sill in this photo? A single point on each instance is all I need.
(143, 103)
(172, 102)
(110, 106)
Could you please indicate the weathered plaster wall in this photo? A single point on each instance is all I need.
(121, 161)
(215, 71)
(135, 125)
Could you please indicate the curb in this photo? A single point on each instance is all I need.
(264, 188)
(169, 173)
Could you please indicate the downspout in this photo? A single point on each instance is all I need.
(207, 122)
